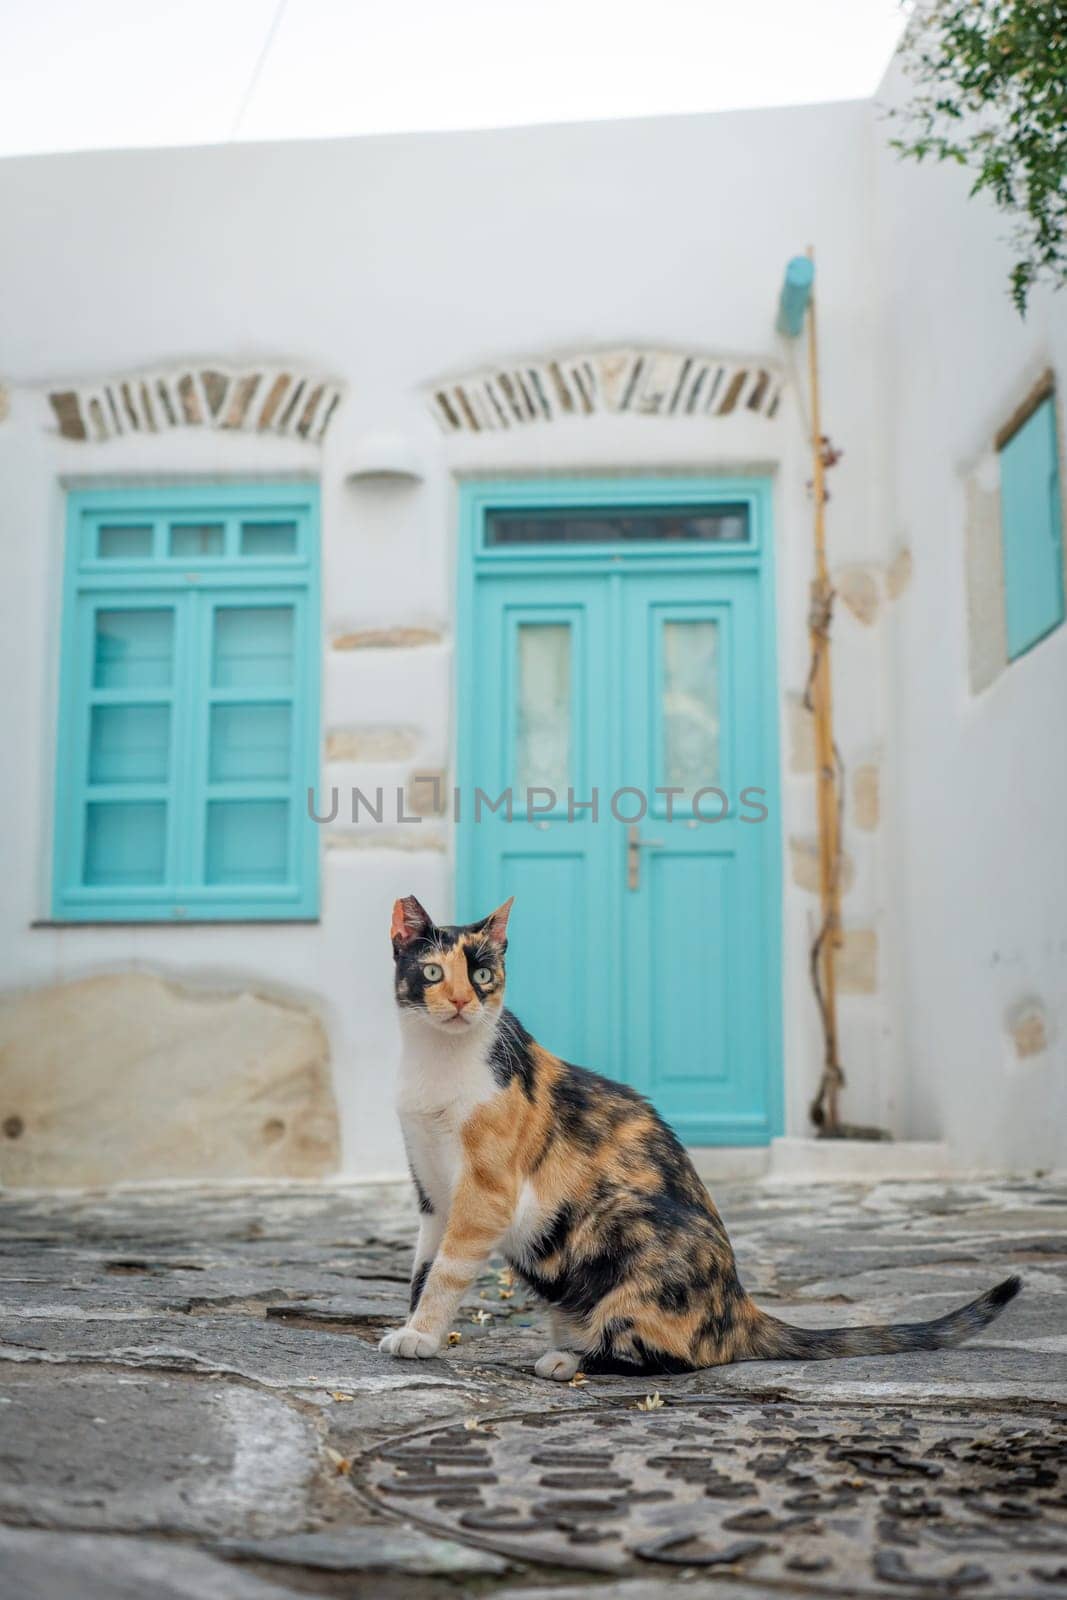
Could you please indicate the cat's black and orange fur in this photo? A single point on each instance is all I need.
(588, 1193)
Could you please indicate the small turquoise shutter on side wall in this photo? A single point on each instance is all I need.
(1032, 530)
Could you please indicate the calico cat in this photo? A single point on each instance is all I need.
(587, 1193)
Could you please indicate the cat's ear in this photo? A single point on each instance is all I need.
(410, 922)
(496, 924)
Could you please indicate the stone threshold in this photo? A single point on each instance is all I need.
(857, 1160)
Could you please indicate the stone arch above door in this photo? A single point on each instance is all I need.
(654, 383)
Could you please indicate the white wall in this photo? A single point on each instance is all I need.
(979, 836)
(389, 263)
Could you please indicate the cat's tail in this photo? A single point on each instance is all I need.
(771, 1340)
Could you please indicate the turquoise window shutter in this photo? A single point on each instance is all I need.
(1032, 533)
(189, 714)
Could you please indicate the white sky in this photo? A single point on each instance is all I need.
(90, 74)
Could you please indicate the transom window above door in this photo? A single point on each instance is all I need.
(655, 525)
(188, 726)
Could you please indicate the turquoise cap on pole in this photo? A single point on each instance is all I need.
(796, 292)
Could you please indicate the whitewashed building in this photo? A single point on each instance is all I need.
(419, 464)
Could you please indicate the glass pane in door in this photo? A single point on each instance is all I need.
(690, 704)
(543, 729)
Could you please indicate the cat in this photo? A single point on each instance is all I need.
(579, 1183)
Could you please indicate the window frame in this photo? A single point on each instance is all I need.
(1039, 410)
(192, 589)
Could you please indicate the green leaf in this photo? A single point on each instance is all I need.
(990, 94)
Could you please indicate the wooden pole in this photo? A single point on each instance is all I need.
(821, 694)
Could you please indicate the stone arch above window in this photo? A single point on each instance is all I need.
(651, 383)
(260, 399)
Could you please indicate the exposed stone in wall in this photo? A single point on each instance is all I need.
(857, 588)
(67, 408)
(857, 962)
(898, 574)
(987, 637)
(256, 400)
(371, 744)
(866, 798)
(5, 403)
(1028, 1029)
(661, 383)
(412, 837)
(804, 856)
(401, 638)
(801, 735)
(129, 1078)
(426, 794)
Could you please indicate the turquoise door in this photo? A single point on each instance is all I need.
(618, 775)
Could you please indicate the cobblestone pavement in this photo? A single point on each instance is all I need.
(193, 1407)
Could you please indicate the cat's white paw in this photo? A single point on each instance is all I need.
(410, 1343)
(558, 1364)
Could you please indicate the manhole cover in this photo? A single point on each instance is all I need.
(932, 1498)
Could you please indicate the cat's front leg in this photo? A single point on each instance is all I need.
(431, 1231)
(478, 1220)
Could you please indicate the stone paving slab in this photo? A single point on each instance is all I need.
(373, 1549)
(203, 1363)
(94, 1449)
(46, 1566)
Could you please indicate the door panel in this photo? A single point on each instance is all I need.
(540, 654)
(684, 1041)
(549, 992)
(693, 963)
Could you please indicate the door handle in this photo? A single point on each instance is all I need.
(634, 845)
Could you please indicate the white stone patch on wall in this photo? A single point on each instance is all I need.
(654, 383)
(804, 858)
(857, 961)
(801, 725)
(1027, 1025)
(898, 574)
(262, 399)
(413, 837)
(857, 589)
(371, 743)
(127, 1078)
(866, 796)
(398, 638)
(426, 794)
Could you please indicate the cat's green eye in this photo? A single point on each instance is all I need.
(432, 972)
(483, 976)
